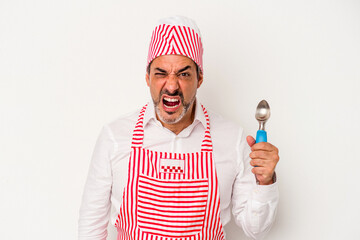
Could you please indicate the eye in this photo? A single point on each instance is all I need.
(185, 74)
(159, 74)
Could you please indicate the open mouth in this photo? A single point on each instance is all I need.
(171, 103)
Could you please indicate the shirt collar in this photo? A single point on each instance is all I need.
(150, 114)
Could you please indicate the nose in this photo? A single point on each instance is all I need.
(172, 83)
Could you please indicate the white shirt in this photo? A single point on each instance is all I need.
(254, 206)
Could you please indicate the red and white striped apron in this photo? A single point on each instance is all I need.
(170, 196)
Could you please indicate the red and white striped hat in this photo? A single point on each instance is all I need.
(176, 35)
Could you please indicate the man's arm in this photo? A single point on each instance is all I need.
(254, 206)
(95, 206)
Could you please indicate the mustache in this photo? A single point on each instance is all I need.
(176, 93)
(173, 94)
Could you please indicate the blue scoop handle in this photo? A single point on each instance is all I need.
(261, 136)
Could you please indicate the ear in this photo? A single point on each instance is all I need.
(200, 80)
(147, 79)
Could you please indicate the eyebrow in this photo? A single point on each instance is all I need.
(160, 70)
(181, 70)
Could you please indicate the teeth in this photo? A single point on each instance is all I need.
(171, 99)
(171, 106)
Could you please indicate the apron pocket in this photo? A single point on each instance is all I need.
(171, 208)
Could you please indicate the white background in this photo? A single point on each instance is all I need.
(68, 67)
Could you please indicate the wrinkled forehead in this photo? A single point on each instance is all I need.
(173, 63)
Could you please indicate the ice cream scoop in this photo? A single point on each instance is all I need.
(262, 115)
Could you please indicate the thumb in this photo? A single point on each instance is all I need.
(250, 140)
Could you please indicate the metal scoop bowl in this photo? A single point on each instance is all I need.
(262, 115)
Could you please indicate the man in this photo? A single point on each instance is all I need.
(171, 170)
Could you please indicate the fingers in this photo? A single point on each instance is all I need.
(268, 165)
(250, 140)
(258, 163)
(259, 171)
(264, 155)
(264, 146)
(263, 175)
(264, 158)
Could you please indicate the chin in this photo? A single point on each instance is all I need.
(170, 117)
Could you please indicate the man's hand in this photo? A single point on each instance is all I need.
(264, 157)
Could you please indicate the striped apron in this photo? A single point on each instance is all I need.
(170, 196)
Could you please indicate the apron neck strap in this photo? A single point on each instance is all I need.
(206, 145)
(138, 133)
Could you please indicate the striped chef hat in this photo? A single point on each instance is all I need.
(176, 35)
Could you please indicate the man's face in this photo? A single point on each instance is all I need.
(173, 83)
